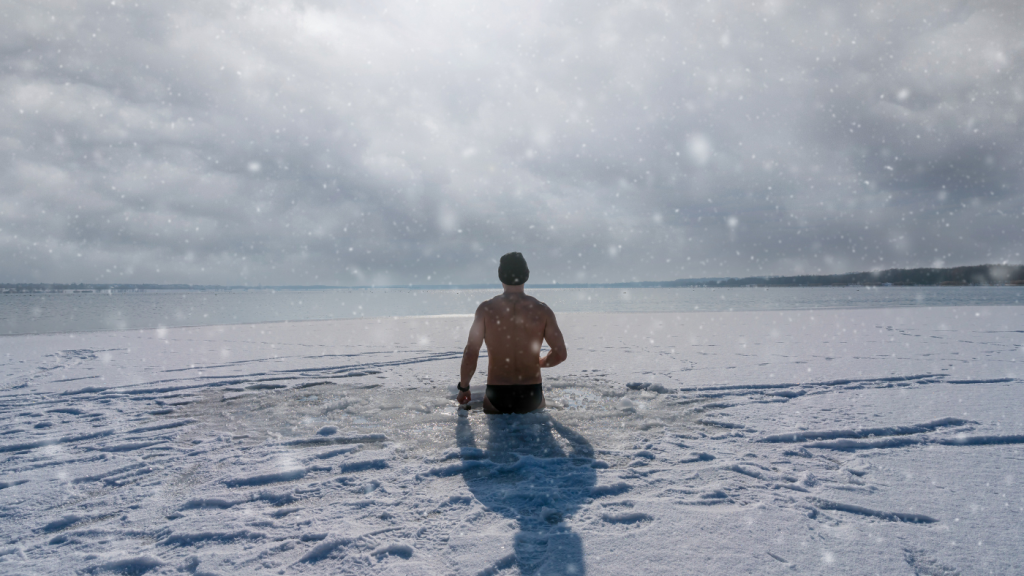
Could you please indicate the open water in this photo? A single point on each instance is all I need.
(47, 313)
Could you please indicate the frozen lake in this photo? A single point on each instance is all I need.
(48, 313)
(883, 441)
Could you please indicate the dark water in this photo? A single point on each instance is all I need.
(44, 313)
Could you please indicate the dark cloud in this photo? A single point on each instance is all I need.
(355, 143)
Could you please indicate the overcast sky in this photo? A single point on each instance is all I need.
(355, 143)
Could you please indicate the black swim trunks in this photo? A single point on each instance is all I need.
(515, 398)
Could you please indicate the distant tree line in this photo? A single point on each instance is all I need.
(984, 275)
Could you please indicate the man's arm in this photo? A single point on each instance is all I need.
(471, 354)
(553, 335)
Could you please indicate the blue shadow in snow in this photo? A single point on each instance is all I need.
(535, 480)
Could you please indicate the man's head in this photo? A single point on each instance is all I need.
(512, 270)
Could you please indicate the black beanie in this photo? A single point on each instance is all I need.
(513, 270)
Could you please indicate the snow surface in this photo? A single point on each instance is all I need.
(885, 441)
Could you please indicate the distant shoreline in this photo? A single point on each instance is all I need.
(981, 275)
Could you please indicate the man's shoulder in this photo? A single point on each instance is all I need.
(538, 305)
(494, 303)
(488, 305)
(490, 302)
(536, 302)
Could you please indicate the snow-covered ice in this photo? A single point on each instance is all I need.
(886, 441)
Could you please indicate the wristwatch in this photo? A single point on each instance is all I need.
(461, 389)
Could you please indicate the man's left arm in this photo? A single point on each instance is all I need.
(553, 335)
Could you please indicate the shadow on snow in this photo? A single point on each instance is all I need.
(536, 481)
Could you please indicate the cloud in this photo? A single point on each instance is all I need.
(354, 143)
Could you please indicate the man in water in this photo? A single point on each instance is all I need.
(513, 325)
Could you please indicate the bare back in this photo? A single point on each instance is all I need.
(513, 326)
(513, 331)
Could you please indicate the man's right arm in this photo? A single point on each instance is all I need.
(471, 354)
(554, 338)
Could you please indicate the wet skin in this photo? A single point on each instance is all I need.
(513, 325)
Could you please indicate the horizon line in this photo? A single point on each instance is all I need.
(554, 283)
